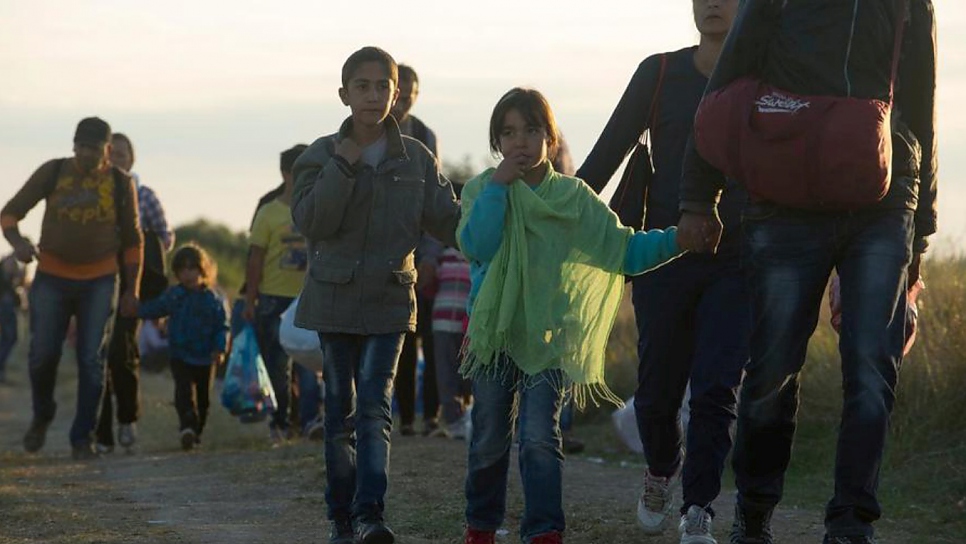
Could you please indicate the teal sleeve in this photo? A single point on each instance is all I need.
(650, 249)
(483, 234)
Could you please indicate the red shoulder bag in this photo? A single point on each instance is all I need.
(809, 152)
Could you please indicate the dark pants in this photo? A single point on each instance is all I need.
(53, 301)
(693, 319)
(192, 388)
(454, 390)
(268, 317)
(123, 379)
(8, 328)
(406, 375)
(358, 382)
(790, 256)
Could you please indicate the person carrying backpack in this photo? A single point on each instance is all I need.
(91, 215)
(811, 104)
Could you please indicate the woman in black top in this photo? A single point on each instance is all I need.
(692, 314)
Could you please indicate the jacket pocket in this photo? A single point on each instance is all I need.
(329, 273)
(400, 295)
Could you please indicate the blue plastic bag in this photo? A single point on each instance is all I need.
(247, 391)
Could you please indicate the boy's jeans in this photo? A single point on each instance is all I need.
(268, 317)
(359, 372)
(541, 454)
(790, 256)
(53, 301)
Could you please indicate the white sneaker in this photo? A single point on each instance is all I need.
(696, 527)
(127, 435)
(654, 506)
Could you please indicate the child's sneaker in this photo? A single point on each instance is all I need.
(188, 439)
(473, 536)
(654, 506)
(341, 532)
(407, 430)
(696, 527)
(552, 537)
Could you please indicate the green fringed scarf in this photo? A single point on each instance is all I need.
(550, 297)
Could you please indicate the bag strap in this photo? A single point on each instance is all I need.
(652, 116)
(901, 11)
(645, 135)
(52, 180)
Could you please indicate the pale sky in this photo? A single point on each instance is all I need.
(211, 92)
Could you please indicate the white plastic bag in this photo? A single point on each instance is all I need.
(625, 422)
(302, 345)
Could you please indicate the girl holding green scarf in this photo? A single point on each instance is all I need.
(547, 262)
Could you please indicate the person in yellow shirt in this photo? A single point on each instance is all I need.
(276, 269)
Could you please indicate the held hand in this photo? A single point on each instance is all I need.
(217, 358)
(508, 170)
(25, 251)
(129, 304)
(349, 150)
(699, 233)
(248, 313)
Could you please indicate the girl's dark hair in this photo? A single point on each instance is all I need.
(533, 106)
(191, 255)
(123, 137)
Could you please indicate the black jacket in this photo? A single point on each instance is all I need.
(840, 48)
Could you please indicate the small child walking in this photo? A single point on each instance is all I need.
(546, 258)
(197, 336)
(449, 327)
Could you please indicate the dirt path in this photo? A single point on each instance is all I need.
(238, 490)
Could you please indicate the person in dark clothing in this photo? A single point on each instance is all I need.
(692, 314)
(826, 48)
(122, 380)
(427, 254)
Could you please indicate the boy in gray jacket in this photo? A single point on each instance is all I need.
(363, 197)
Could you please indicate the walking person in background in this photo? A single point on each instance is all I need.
(274, 277)
(692, 315)
(877, 55)
(197, 336)
(547, 259)
(91, 216)
(452, 277)
(124, 359)
(12, 274)
(427, 255)
(363, 197)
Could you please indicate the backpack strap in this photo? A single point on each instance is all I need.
(52, 180)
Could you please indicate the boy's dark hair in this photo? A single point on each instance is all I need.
(191, 255)
(369, 54)
(533, 106)
(406, 72)
(289, 156)
(123, 137)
